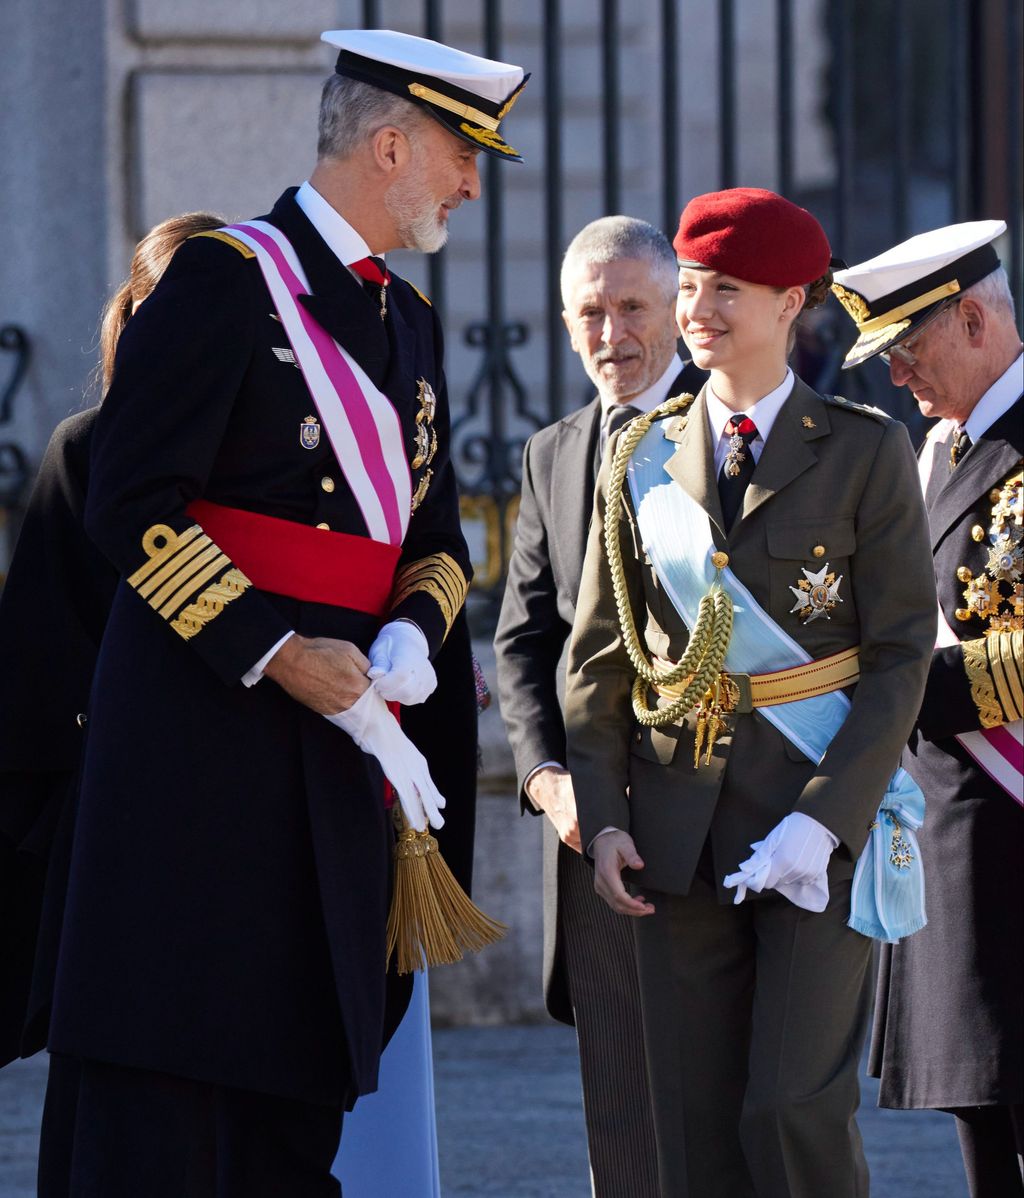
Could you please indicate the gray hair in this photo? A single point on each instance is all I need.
(613, 237)
(994, 292)
(352, 112)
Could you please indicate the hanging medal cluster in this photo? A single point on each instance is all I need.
(996, 593)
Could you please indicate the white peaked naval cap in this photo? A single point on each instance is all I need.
(888, 296)
(469, 95)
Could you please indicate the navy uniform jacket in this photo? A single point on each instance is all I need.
(231, 866)
(947, 1014)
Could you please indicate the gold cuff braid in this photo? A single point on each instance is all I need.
(440, 577)
(1005, 658)
(990, 714)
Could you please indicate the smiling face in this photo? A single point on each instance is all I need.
(620, 323)
(733, 326)
(441, 172)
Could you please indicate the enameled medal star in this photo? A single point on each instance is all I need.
(816, 594)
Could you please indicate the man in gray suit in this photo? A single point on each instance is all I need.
(619, 288)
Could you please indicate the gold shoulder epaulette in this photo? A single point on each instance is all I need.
(235, 244)
(841, 401)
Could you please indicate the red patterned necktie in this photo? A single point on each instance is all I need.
(738, 466)
(376, 277)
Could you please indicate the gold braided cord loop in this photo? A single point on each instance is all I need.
(702, 661)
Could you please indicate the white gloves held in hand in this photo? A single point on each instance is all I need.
(376, 731)
(792, 859)
(400, 664)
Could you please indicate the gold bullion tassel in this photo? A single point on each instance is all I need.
(432, 920)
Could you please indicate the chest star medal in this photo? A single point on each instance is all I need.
(816, 594)
(309, 433)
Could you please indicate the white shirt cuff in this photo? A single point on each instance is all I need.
(603, 832)
(251, 677)
(536, 769)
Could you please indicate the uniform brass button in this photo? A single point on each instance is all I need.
(81, 719)
(327, 484)
(327, 527)
(818, 550)
(639, 737)
(962, 613)
(977, 533)
(719, 560)
(964, 574)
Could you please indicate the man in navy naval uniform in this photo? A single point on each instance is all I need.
(220, 997)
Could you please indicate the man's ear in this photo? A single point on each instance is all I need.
(391, 149)
(974, 317)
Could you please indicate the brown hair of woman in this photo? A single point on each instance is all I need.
(152, 256)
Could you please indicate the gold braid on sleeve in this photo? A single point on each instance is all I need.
(1005, 652)
(702, 661)
(990, 714)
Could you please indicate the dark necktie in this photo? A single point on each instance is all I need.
(737, 468)
(611, 422)
(376, 277)
(961, 444)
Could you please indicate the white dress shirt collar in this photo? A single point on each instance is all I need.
(344, 242)
(997, 400)
(655, 394)
(763, 414)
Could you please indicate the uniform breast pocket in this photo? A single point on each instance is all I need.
(809, 564)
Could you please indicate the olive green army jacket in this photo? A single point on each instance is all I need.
(836, 483)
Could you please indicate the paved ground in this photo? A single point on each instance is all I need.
(510, 1123)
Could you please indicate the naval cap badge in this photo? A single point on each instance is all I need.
(309, 433)
(816, 594)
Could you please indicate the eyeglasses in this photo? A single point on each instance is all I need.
(902, 351)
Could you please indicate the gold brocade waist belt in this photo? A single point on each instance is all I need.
(741, 693)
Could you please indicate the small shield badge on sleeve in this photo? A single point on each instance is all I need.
(309, 433)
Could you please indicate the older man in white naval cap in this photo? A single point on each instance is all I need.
(284, 537)
(948, 1027)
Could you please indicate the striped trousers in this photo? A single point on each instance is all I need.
(601, 965)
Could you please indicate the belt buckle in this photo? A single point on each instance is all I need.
(735, 694)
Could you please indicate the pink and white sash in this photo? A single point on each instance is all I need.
(361, 423)
(998, 751)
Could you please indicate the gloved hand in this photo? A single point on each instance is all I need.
(376, 731)
(792, 859)
(400, 664)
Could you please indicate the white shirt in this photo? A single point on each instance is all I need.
(762, 413)
(347, 246)
(997, 400)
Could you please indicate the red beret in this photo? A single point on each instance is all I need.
(754, 235)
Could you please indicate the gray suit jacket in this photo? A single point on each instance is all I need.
(537, 615)
(832, 476)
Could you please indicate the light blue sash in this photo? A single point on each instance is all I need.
(677, 537)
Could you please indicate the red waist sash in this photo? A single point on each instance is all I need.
(311, 564)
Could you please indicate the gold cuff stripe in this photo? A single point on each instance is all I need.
(187, 570)
(1004, 658)
(158, 555)
(185, 592)
(990, 714)
(235, 244)
(422, 92)
(210, 603)
(440, 577)
(174, 566)
(910, 307)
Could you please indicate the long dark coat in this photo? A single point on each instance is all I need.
(948, 1029)
(230, 873)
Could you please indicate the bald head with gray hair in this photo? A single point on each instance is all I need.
(612, 238)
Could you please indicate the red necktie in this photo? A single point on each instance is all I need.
(376, 277)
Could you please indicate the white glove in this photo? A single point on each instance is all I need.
(400, 663)
(376, 731)
(792, 859)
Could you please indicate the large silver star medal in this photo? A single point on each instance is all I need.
(816, 594)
